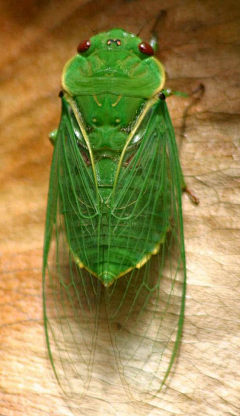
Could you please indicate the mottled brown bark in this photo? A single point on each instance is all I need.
(199, 43)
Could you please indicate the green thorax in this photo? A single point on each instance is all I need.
(107, 120)
(120, 69)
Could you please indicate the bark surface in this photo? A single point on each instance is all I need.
(199, 43)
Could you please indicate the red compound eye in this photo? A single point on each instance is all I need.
(146, 48)
(84, 46)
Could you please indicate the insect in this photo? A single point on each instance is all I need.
(114, 259)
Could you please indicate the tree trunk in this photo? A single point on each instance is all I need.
(199, 43)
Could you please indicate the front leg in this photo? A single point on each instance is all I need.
(53, 136)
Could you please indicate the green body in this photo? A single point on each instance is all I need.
(114, 195)
(103, 107)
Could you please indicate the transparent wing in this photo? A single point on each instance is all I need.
(145, 307)
(71, 294)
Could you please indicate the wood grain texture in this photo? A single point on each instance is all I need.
(199, 42)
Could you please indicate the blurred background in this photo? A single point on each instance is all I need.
(199, 42)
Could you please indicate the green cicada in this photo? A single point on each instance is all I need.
(114, 256)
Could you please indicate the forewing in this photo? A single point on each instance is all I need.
(145, 307)
(71, 294)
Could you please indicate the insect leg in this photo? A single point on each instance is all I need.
(191, 195)
(196, 95)
(168, 92)
(52, 136)
(154, 38)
